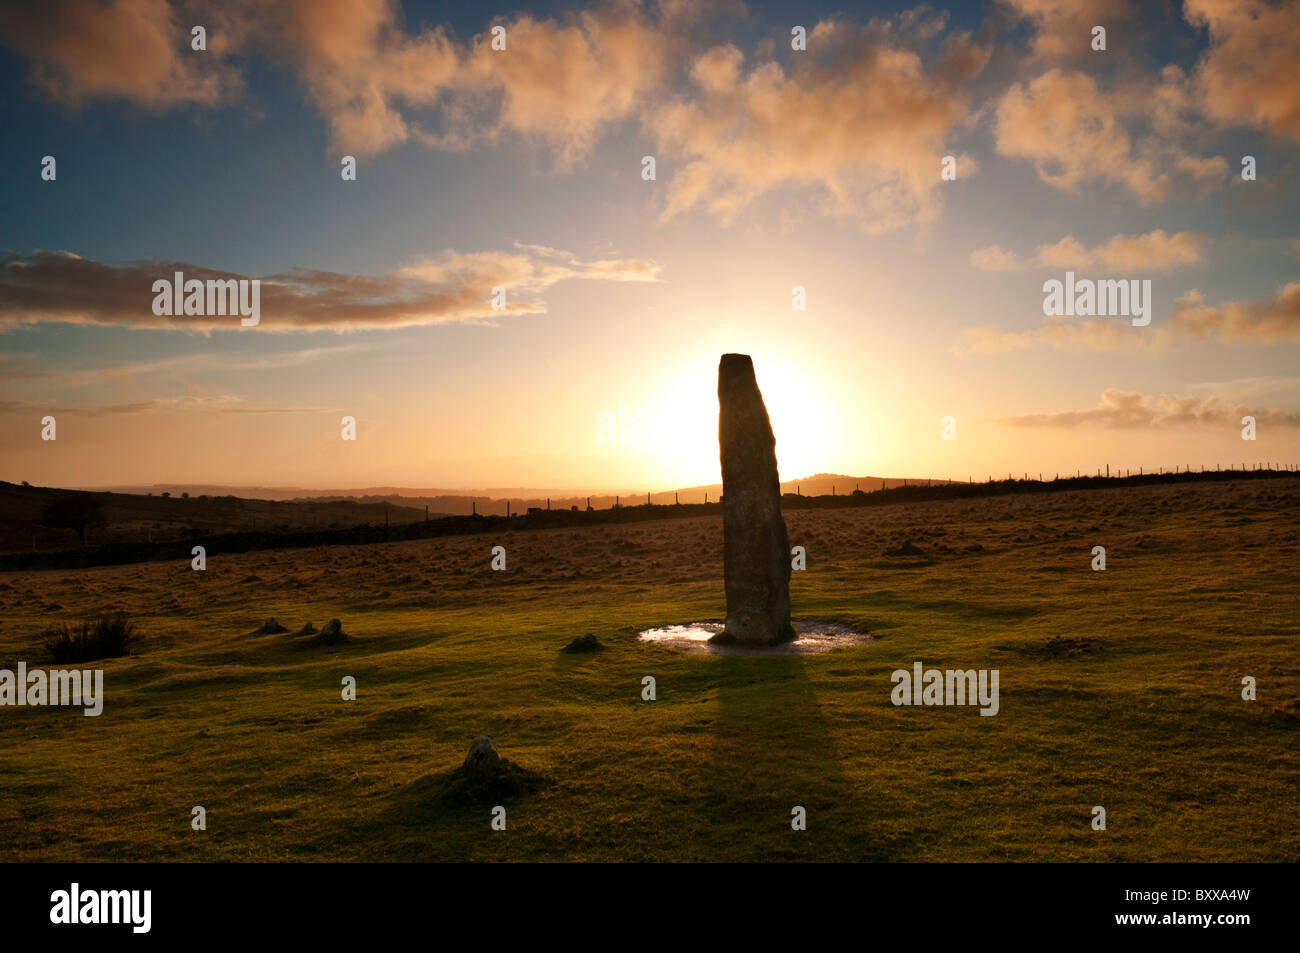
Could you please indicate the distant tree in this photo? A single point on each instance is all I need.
(25, 483)
(73, 511)
(185, 496)
(166, 494)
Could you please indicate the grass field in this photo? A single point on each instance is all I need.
(1119, 688)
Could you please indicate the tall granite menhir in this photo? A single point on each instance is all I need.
(756, 549)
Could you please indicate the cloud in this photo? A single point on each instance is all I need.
(1248, 389)
(1134, 133)
(360, 68)
(860, 118)
(1234, 322)
(218, 403)
(454, 287)
(1130, 410)
(376, 84)
(23, 367)
(1063, 124)
(557, 81)
(1154, 251)
(132, 50)
(1274, 321)
(533, 268)
(1247, 76)
(1062, 29)
(996, 258)
(1058, 335)
(1208, 171)
(560, 82)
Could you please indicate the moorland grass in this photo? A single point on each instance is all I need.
(1119, 688)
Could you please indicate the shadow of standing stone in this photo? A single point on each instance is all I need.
(756, 547)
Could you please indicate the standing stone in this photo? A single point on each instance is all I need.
(756, 549)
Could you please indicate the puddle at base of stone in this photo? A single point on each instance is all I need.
(811, 637)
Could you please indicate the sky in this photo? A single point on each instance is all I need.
(523, 169)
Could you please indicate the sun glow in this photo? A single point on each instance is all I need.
(682, 426)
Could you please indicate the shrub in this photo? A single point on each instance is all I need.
(109, 636)
(74, 511)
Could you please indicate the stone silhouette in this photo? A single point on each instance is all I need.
(484, 777)
(331, 633)
(482, 757)
(271, 627)
(756, 549)
(584, 643)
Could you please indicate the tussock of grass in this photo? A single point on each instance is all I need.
(108, 636)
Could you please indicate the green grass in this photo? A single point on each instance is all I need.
(1138, 710)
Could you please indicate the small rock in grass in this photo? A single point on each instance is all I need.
(907, 549)
(482, 757)
(331, 633)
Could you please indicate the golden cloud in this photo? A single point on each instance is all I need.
(1063, 124)
(1062, 29)
(1130, 410)
(1058, 335)
(1192, 320)
(62, 287)
(1154, 251)
(1255, 322)
(133, 50)
(1247, 76)
(863, 121)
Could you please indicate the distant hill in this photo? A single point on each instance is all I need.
(493, 500)
(49, 518)
(45, 518)
(44, 527)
